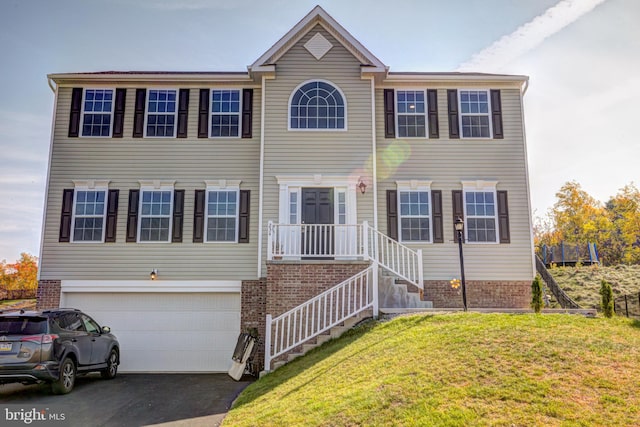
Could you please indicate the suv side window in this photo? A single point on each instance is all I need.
(91, 326)
(71, 322)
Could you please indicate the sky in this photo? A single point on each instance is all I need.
(582, 57)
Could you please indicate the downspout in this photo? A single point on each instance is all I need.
(54, 89)
(374, 154)
(526, 168)
(261, 188)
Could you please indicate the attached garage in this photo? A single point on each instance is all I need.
(165, 331)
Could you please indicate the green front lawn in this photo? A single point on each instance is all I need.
(458, 370)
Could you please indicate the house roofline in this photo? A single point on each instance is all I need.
(155, 76)
(317, 16)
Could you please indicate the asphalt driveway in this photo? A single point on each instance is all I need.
(127, 400)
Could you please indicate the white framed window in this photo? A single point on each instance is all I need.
(317, 105)
(341, 207)
(162, 113)
(156, 209)
(414, 211)
(481, 212)
(97, 112)
(475, 108)
(226, 106)
(294, 211)
(411, 113)
(89, 211)
(222, 217)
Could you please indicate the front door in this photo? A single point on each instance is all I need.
(317, 209)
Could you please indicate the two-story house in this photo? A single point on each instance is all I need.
(184, 207)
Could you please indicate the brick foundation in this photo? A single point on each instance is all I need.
(252, 313)
(480, 294)
(291, 284)
(48, 294)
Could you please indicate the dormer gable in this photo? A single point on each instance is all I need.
(318, 45)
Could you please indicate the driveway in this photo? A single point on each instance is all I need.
(127, 400)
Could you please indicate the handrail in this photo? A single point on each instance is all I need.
(395, 257)
(319, 314)
(294, 241)
(564, 299)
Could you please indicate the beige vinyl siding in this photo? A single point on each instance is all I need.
(335, 152)
(125, 161)
(448, 162)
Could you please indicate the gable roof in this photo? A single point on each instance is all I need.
(319, 16)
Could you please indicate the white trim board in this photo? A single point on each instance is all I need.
(149, 286)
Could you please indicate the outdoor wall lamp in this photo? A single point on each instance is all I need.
(154, 274)
(459, 227)
(362, 186)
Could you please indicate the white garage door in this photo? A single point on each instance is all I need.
(167, 332)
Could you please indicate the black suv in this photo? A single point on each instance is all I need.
(53, 346)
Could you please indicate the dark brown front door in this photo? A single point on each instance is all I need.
(317, 208)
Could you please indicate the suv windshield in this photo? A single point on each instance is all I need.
(23, 325)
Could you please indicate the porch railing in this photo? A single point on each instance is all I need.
(319, 314)
(359, 241)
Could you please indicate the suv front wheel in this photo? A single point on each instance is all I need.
(66, 377)
(112, 365)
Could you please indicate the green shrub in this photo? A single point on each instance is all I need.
(536, 294)
(607, 298)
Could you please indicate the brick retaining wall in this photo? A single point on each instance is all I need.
(480, 294)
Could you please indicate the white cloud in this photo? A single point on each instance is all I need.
(529, 35)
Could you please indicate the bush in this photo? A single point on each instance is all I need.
(607, 298)
(536, 294)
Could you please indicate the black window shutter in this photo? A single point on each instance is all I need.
(392, 214)
(178, 216)
(203, 114)
(65, 218)
(74, 116)
(118, 113)
(245, 201)
(496, 114)
(432, 105)
(458, 210)
(138, 115)
(247, 111)
(452, 101)
(389, 114)
(198, 217)
(436, 201)
(112, 216)
(132, 216)
(503, 218)
(183, 113)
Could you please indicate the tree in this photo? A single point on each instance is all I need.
(21, 275)
(607, 298)
(624, 213)
(536, 294)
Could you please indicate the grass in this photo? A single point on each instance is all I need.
(582, 284)
(458, 370)
(28, 304)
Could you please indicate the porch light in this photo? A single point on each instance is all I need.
(154, 274)
(459, 227)
(362, 186)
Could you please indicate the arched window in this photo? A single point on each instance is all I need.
(317, 105)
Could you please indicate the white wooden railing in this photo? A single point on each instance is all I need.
(292, 241)
(335, 305)
(394, 256)
(350, 241)
(320, 314)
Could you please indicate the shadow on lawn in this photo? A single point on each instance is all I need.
(296, 367)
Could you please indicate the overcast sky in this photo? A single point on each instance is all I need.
(583, 58)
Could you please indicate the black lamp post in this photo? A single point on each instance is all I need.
(459, 226)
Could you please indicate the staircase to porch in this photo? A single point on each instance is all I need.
(383, 286)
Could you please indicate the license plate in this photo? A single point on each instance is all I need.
(5, 346)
